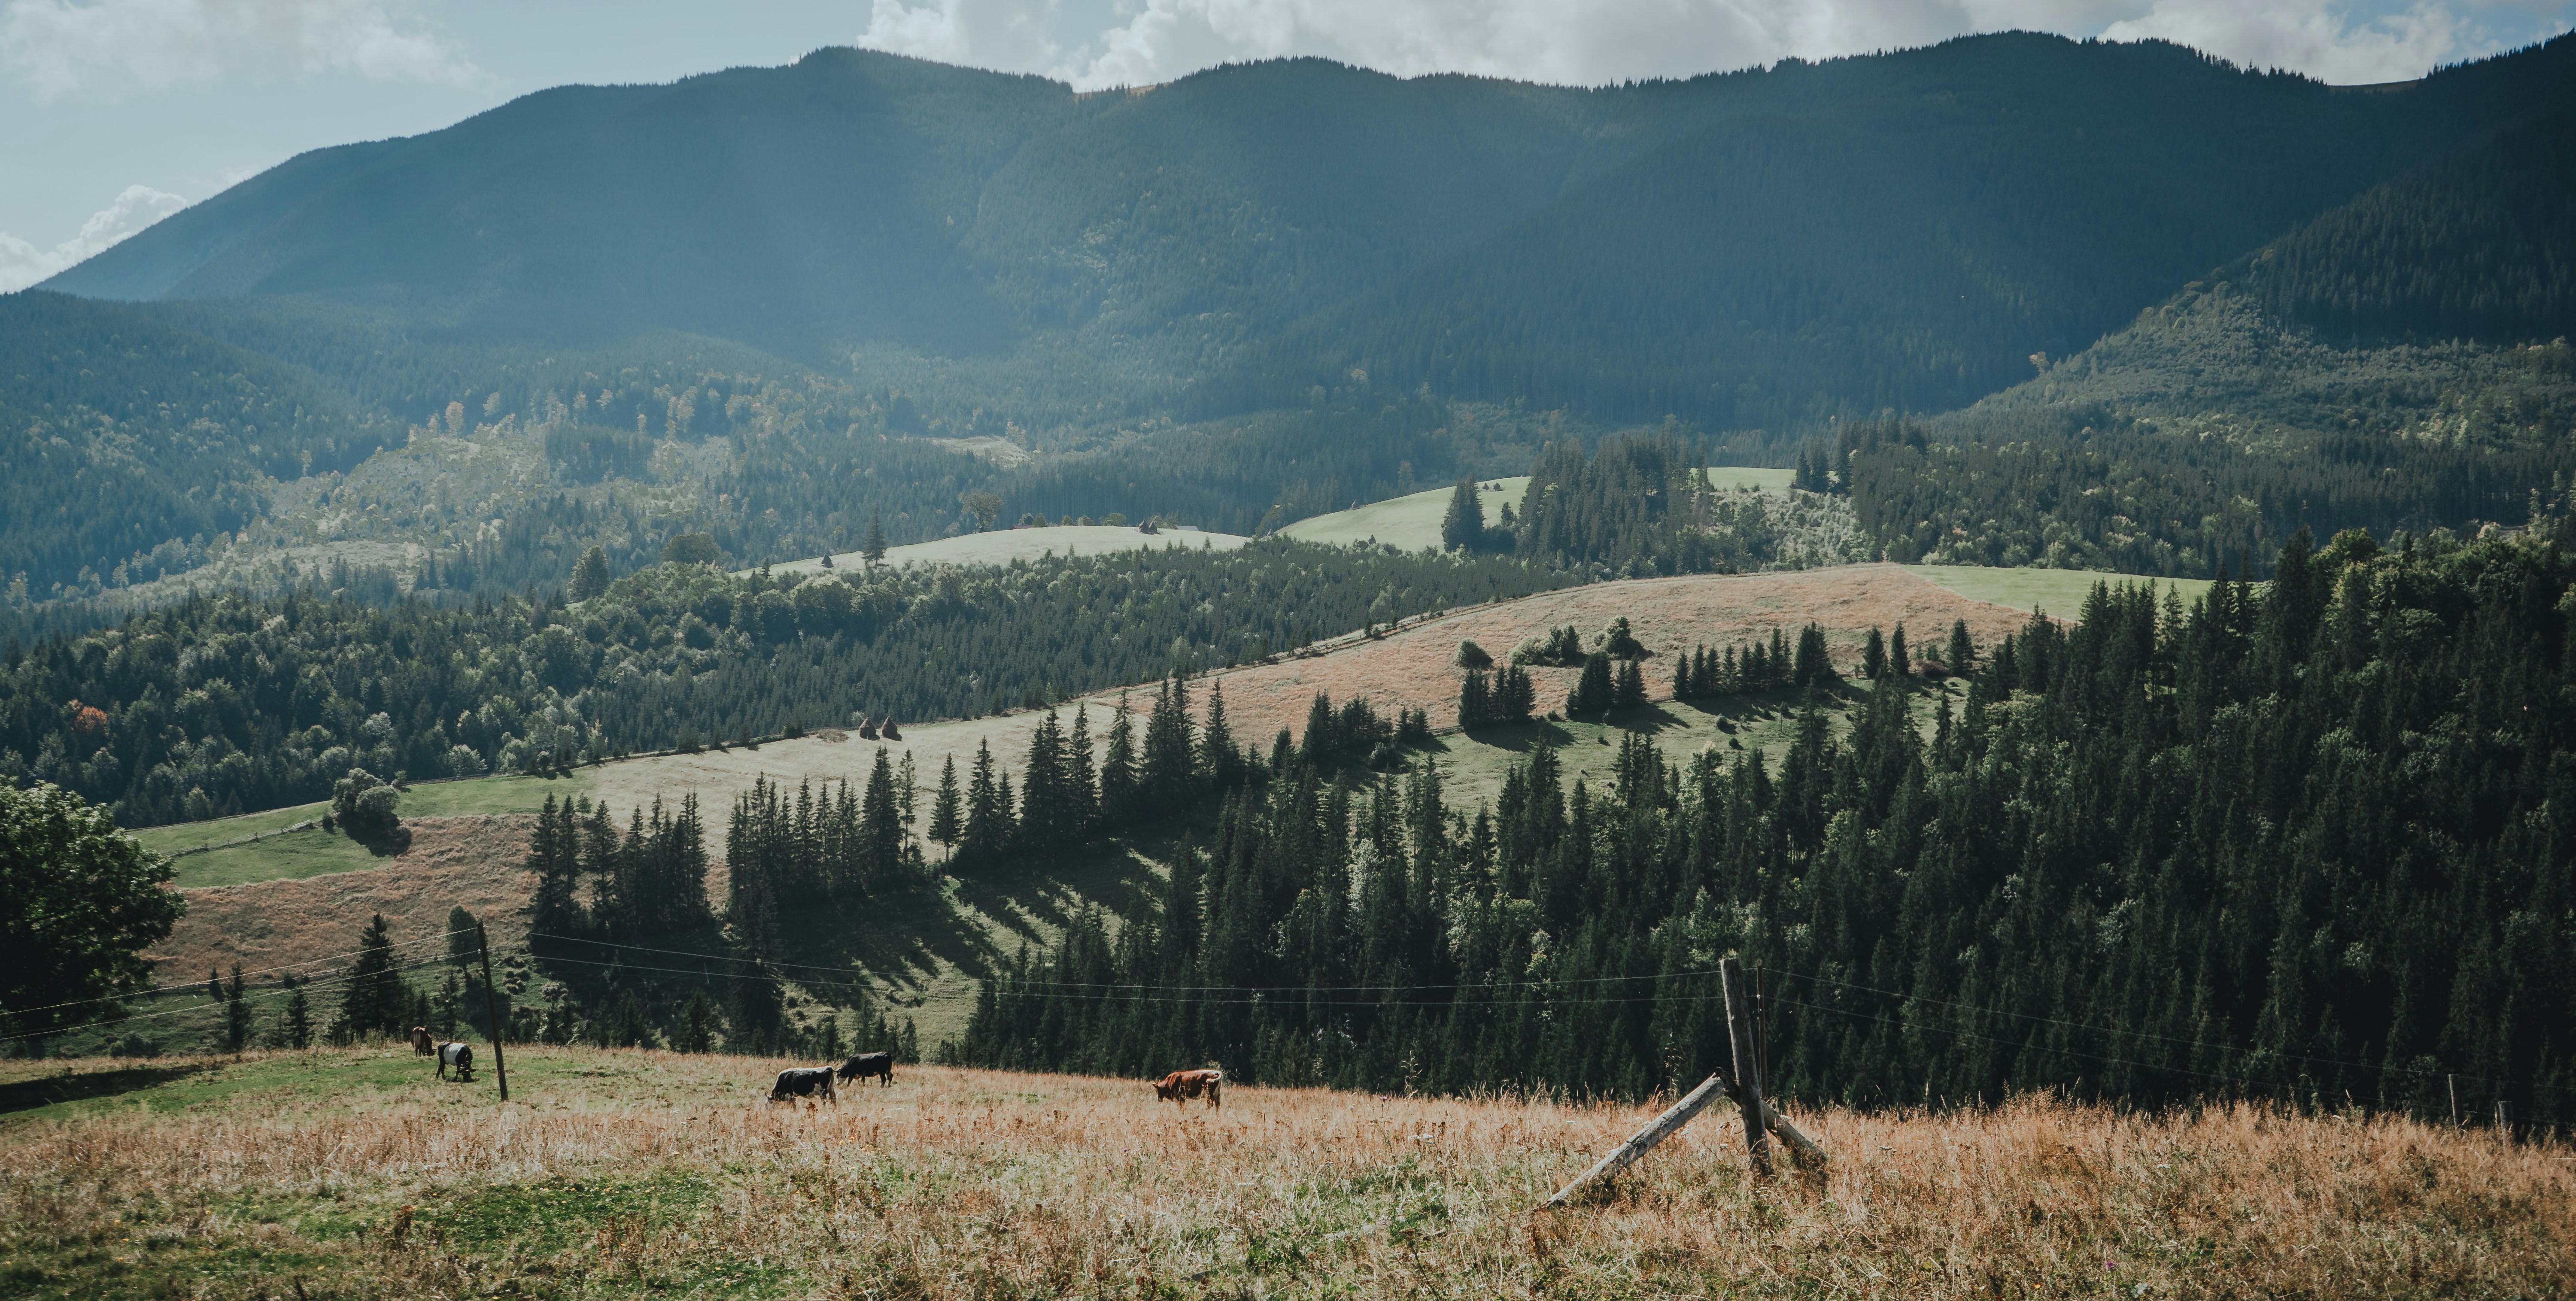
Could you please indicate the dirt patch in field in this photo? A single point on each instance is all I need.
(1409, 667)
(475, 861)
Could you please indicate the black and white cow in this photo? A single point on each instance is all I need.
(458, 1055)
(804, 1082)
(867, 1064)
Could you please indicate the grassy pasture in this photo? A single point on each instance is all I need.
(1407, 523)
(625, 1173)
(2060, 592)
(277, 846)
(1002, 546)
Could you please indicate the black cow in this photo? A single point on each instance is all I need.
(867, 1064)
(804, 1082)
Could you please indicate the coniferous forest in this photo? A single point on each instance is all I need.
(2300, 840)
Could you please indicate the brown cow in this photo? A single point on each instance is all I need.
(1179, 1086)
(421, 1042)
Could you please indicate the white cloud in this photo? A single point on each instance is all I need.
(1011, 35)
(2324, 40)
(23, 264)
(61, 46)
(1588, 42)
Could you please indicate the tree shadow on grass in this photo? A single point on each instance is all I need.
(1521, 738)
(27, 1095)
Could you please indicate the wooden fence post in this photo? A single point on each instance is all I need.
(2453, 1081)
(1748, 1073)
(1644, 1140)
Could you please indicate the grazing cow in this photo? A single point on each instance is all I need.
(1180, 1086)
(804, 1082)
(421, 1042)
(866, 1064)
(458, 1055)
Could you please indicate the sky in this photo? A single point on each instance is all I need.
(117, 113)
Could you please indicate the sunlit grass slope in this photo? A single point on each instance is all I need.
(353, 1172)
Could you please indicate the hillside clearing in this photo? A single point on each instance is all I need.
(2059, 592)
(630, 1172)
(1407, 523)
(478, 862)
(1002, 546)
(1407, 668)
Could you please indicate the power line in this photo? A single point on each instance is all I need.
(326, 982)
(158, 990)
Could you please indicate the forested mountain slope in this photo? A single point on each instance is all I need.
(2398, 362)
(1993, 196)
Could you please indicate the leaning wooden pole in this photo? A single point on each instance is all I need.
(491, 1011)
(1748, 1071)
(1644, 1140)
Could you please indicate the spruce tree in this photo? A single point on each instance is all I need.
(1217, 755)
(236, 1013)
(1463, 527)
(1118, 768)
(1629, 688)
(295, 1029)
(1873, 657)
(945, 812)
(880, 825)
(873, 551)
(1594, 692)
(1475, 701)
(1081, 782)
(1898, 661)
(376, 998)
(590, 575)
(1963, 651)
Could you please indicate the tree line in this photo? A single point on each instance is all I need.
(2304, 841)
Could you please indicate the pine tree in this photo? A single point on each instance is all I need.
(375, 998)
(1217, 755)
(1081, 783)
(236, 1013)
(554, 858)
(1475, 701)
(873, 551)
(590, 575)
(1118, 768)
(989, 825)
(1873, 656)
(1963, 651)
(1898, 661)
(697, 1033)
(1463, 527)
(1169, 774)
(1628, 691)
(1515, 695)
(1814, 667)
(945, 827)
(1594, 692)
(296, 1029)
(1683, 687)
(880, 825)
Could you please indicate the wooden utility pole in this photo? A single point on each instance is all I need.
(1748, 1069)
(492, 1010)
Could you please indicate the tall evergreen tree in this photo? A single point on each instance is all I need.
(1463, 527)
(375, 1000)
(946, 815)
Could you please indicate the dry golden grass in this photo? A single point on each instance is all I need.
(632, 1172)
